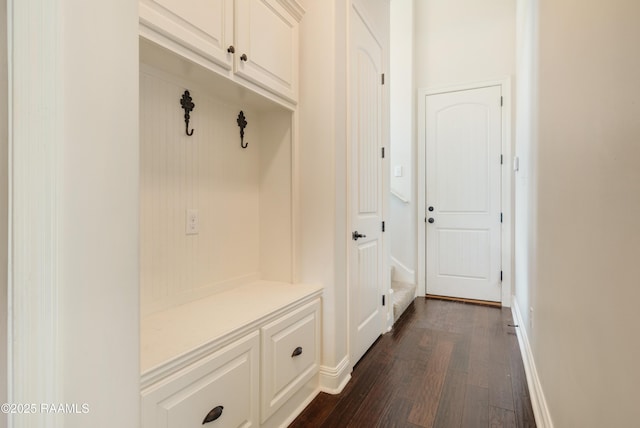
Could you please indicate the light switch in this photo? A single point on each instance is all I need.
(193, 222)
(397, 171)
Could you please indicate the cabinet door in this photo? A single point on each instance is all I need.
(202, 26)
(291, 355)
(267, 46)
(225, 383)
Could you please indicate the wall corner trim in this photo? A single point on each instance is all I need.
(334, 379)
(538, 401)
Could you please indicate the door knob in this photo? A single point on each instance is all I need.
(430, 208)
(355, 235)
(243, 57)
(431, 220)
(231, 49)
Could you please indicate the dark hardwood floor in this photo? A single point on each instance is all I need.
(445, 364)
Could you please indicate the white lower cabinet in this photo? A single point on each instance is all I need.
(244, 383)
(290, 356)
(224, 384)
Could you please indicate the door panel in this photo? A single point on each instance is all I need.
(366, 316)
(463, 146)
(461, 178)
(204, 26)
(462, 253)
(267, 37)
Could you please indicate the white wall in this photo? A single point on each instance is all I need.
(526, 141)
(583, 332)
(322, 168)
(460, 41)
(99, 219)
(455, 42)
(402, 130)
(74, 213)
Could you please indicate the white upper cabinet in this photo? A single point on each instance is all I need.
(253, 42)
(267, 40)
(202, 26)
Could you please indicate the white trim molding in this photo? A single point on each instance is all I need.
(334, 379)
(34, 141)
(506, 178)
(538, 401)
(401, 272)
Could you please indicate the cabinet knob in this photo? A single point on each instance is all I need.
(296, 352)
(231, 49)
(243, 57)
(214, 414)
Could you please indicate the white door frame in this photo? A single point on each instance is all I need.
(506, 181)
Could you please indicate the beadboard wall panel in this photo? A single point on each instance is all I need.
(211, 173)
(276, 246)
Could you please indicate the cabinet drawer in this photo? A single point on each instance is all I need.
(227, 378)
(291, 355)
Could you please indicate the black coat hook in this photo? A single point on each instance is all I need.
(188, 105)
(242, 123)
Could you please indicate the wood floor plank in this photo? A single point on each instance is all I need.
(396, 414)
(460, 354)
(500, 391)
(445, 364)
(501, 418)
(452, 400)
(372, 409)
(347, 407)
(316, 412)
(518, 375)
(524, 412)
(428, 387)
(475, 412)
(478, 372)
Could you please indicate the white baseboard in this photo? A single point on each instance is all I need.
(538, 402)
(334, 379)
(402, 273)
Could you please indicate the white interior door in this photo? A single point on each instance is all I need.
(366, 316)
(463, 166)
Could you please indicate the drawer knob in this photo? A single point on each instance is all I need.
(243, 57)
(231, 49)
(214, 414)
(296, 352)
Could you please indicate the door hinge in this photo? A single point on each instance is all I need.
(383, 153)
(501, 159)
(383, 78)
(383, 301)
(383, 226)
(500, 217)
(500, 276)
(501, 101)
